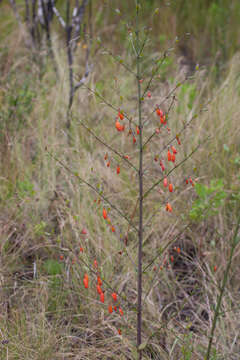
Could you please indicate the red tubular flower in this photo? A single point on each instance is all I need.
(113, 229)
(118, 169)
(170, 187)
(108, 163)
(134, 140)
(120, 115)
(165, 182)
(174, 150)
(104, 213)
(137, 130)
(84, 232)
(178, 140)
(102, 297)
(168, 207)
(163, 119)
(95, 263)
(114, 296)
(99, 281)
(81, 249)
(118, 126)
(120, 311)
(149, 94)
(169, 156)
(110, 309)
(99, 289)
(106, 156)
(159, 112)
(85, 281)
(173, 158)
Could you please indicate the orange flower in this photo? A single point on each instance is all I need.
(102, 297)
(134, 140)
(178, 250)
(120, 115)
(168, 207)
(174, 150)
(85, 281)
(173, 158)
(114, 296)
(118, 169)
(178, 140)
(104, 213)
(81, 249)
(119, 330)
(106, 156)
(118, 126)
(159, 112)
(99, 281)
(61, 257)
(113, 229)
(170, 187)
(110, 309)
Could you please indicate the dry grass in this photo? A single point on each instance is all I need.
(46, 311)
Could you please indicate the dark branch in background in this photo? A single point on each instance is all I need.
(73, 26)
(47, 15)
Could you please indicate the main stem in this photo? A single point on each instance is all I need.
(140, 178)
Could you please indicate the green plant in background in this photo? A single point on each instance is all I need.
(209, 200)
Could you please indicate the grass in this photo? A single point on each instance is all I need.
(46, 312)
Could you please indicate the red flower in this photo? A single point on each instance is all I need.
(102, 297)
(85, 281)
(169, 156)
(104, 213)
(118, 126)
(120, 311)
(165, 182)
(99, 281)
(118, 169)
(170, 187)
(99, 290)
(120, 115)
(168, 207)
(110, 309)
(114, 296)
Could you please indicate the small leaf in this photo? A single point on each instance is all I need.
(143, 345)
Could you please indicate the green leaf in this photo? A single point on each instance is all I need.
(143, 345)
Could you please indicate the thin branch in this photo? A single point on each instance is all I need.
(109, 104)
(108, 146)
(173, 169)
(94, 189)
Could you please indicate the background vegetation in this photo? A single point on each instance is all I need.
(45, 311)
